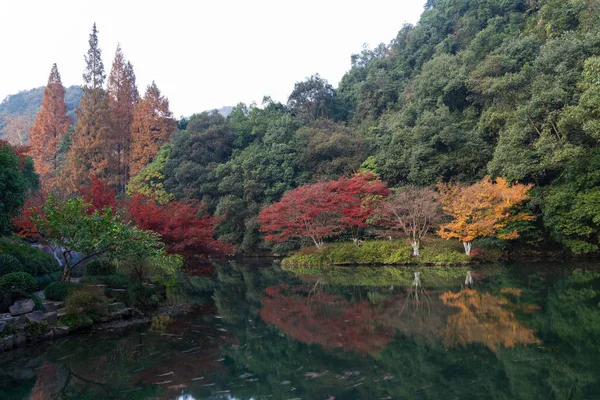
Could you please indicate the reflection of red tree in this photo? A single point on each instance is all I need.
(325, 319)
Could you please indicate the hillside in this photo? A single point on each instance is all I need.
(477, 87)
(26, 104)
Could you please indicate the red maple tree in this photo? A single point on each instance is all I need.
(185, 227)
(323, 209)
(98, 194)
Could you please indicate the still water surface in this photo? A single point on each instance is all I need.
(263, 333)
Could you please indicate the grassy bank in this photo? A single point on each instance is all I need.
(380, 252)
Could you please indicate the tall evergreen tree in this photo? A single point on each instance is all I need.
(122, 99)
(90, 149)
(48, 129)
(152, 126)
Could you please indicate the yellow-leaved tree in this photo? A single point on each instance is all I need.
(481, 210)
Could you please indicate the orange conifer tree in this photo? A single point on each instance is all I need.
(481, 210)
(152, 126)
(48, 129)
(122, 99)
(90, 147)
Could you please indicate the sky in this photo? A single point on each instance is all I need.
(201, 54)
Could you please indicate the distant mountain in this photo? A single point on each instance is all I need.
(225, 111)
(27, 103)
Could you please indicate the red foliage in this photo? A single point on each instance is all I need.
(325, 319)
(323, 209)
(23, 224)
(98, 194)
(186, 228)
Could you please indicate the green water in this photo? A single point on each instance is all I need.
(263, 333)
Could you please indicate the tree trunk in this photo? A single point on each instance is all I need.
(469, 279)
(319, 244)
(415, 247)
(468, 246)
(417, 281)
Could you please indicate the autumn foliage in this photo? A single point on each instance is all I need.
(323, 209)
(485, 319)
(151, 127)
(185, 227)
(98, 194)
(482, 209)
(325, 319)
(48, 129)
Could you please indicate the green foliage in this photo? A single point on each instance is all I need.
(12, 187)
(150, 181)
(88, 301)
(18, 281)
(100, 267)
(142, 297)
(117, 281)
(9, 264)
(34, 260)
(77, 321)
(59, 291)
(44, 280)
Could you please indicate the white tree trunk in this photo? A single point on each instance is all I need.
(417, 281)
(415, 247)
(468, 246)
(469, 279)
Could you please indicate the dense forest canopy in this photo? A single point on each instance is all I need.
(507, 89)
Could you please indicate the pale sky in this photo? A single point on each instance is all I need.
(202, 54)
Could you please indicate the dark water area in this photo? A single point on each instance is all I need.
(517, 332)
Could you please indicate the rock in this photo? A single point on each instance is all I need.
(61, 331)
(6, 343)
(116, 293)
(115, 307)
(2, 326)
(61, 312)
(51, 318)
(21, 307)
(49, 306)
(20, 339)
(127, 313)
(35, 316)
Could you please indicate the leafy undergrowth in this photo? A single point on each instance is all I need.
(384, 252)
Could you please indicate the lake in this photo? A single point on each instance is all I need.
(259, 332)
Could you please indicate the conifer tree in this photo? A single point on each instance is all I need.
(48, 129)
(152, 126)
(122, 99)
(90, 148)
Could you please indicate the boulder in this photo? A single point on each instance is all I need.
(35, 316)
(49, 306)
(2, 326)
(6, 343)
(51, 317)
(61, 331)
(115, 307)
(20, 339)
(21, 307)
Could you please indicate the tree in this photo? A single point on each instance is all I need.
(312, 99)
(359, 197)
(123, 97)
(186, 228)
(70, 227)
(98, 195)
(309, 211)
(482, 209)
(89, 154)
(49, 128)
(12, 186)
(152, 126)
(411, 211)
(323, 209)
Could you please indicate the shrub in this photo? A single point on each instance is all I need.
(341, 253)
(299, 260)
(34, 260)
(18, 281)
(44, 280)
(117, 281)
(88, 301)
(59, 291)
(403, 255)
(142, 297)
(100, 267)
(453, 257)
(76, 321)
(9, 264)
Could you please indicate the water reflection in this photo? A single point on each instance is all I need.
(271, 334)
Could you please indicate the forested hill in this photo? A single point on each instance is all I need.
(21, 108)
(478, 87)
